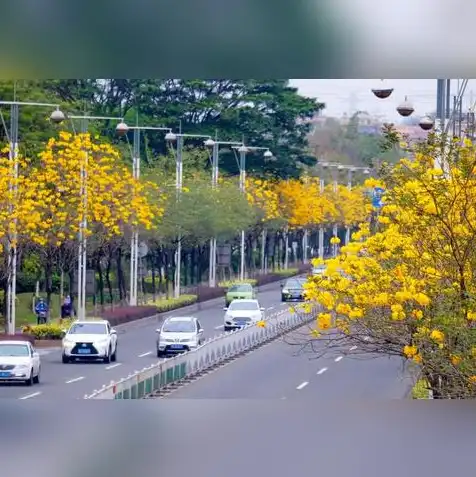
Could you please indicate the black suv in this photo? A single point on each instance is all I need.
(293, 289)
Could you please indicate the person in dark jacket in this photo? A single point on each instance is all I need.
(67, 308)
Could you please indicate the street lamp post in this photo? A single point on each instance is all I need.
(179, 139)
(351, 170)
(56, 117)
(243, 150)
(215, 145)
(122, 129)
(83, 226)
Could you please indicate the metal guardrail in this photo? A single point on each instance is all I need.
(213, 352)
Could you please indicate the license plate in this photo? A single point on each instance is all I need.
(176, 346)
(5, 375)
(84, 351)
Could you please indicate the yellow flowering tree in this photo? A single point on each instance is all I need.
(408, 288)
(116, 201)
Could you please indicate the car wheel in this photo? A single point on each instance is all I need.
(283, 299)
(114, 355)
(226, 329)
(65, 359)
(30, 381)
(160, 354)
(36, 379)
(107, 358)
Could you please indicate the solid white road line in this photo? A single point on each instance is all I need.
(353, 347)
(144, 354)
(113, 366)
(338, 359)
(75, 380)
(271, 308)
(28, 396)
(302, 385)
(219, 327)
(321, 371)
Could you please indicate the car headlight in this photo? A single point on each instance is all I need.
(102, 341)
(22, 367)
(285, 290)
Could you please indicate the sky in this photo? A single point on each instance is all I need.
(351, 95)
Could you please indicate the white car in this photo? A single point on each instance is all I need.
(90, 339)
(241, 313)
(19, 361)
(179, 335)
(319, 270)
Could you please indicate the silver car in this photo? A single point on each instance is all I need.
(179, 335)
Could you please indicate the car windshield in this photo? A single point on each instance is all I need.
(294, 283)
(14, 350)
(240, 289)
(88, 329)
(244, 305)
(182, 326)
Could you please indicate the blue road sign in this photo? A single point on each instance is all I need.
(377, 197)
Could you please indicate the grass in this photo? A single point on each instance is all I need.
(420, 390)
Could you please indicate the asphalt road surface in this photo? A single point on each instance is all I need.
(136, 350)
(279, 371)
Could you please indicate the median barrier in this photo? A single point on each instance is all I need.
(213, 352)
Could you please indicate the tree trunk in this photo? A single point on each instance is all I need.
(101, 280)
(121, 282)
(48, 282)
(108, 279)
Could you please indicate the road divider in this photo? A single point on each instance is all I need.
(214, 352)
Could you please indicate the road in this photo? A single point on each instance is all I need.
(279, 371)
(136, 350)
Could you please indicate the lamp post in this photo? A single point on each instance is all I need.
(215, 145)
(122, 129)
(179, 139)
(56, 117)
(83, 226)
(243, 150)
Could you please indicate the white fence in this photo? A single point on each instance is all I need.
(211, 353)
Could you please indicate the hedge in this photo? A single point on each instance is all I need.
(229, 283)
(168, 304)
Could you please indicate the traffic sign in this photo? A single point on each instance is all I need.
(377, 197)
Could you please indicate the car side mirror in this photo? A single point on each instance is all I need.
(225, 308)
(36, 354)
(64, 331)
(113, 332)
(262, 308)
(200, 330)
(282, 285)
(157, 331)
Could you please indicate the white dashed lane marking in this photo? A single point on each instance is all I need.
(29, 396)
(353, 348)
(113, 366)
(302, 385)
(145, 354)
(75, 380)
(338, 359)
(321, 371)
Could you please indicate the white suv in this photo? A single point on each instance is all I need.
(90, 339)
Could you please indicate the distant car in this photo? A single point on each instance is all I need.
(293, 290)
(19, 362)
(319, 270)
(239, 291)
(90, 339)
(241, 313)
(179, 335)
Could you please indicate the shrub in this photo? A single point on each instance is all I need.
(230, 283)
(48, 331)
(286, 273)
(168, 304)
